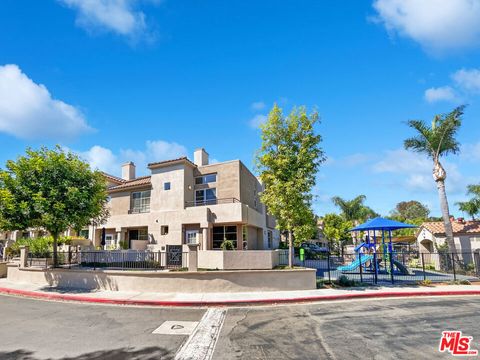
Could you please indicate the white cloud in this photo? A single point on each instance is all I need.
(444, 93)
(101, 158)
(414, 171)
(471, 152)
(438, 25)
(162, 150)
(27, 109)
(119, 16)
(468, 79)
(259, 105)
(106, 160)
(258, 120)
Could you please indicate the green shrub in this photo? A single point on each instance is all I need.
(227, 245)
(39, 247)
(344, 281)
(426, 282)
(465, 282)
(470, 267)
(123, 244)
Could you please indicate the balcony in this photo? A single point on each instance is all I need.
(139, 210)
(211, 202)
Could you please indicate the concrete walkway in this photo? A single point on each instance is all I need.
(229, 299)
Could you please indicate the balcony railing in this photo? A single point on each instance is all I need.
(139, 210)
(211, 202)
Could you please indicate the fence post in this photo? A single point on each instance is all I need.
(361, 266)
(192, 257)
(476, 257)
(95, 260)
(423, 267)
(454, 272)
(391, 267)
(23, 256)
(328, 267)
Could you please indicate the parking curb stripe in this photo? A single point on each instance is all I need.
(205, 303)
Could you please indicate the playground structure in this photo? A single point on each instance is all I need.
(367, 258)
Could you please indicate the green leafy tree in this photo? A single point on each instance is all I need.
(411, 210)
(52, 189)
(288, 162)
(472, 206)
(436, 141)
(336, 230)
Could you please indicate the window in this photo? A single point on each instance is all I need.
(166, 186)
(191, 236)
(221, 233)
(164, 230)
(138, 234)
(269, 239)
(109, 241)
(206, 197)
(25, 234)
(83, 233)
(206, 179)
(140, 202)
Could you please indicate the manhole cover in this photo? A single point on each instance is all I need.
(176, 328)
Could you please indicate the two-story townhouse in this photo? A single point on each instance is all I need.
(184, 202)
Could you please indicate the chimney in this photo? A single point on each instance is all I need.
(128, 171)
(200, 157)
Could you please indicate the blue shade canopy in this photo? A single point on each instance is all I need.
(382, 224)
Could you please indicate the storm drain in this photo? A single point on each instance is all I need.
(176, 328)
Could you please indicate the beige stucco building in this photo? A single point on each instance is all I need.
(183, 202)
(466, 235)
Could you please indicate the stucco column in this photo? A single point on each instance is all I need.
(119, 238)
(192, 257)
(23, 256)
(205, 239)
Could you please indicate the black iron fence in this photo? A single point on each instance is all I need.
(396, 267)
(115, 260)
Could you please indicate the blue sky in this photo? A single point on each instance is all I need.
(147, 80)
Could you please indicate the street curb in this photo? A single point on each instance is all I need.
(86, 299)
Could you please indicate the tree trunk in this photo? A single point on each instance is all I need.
(55, 255)
(290, 249)
(439, 175)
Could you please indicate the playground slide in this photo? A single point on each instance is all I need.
(356, 264)
(402, 268)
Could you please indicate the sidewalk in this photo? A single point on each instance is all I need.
(228, 299)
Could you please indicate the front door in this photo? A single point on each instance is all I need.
(191, 237)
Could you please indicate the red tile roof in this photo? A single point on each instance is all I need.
(138, 182)
(465, 227)
(113, 178)
(166, 162)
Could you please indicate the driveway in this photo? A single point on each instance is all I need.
(367, 329)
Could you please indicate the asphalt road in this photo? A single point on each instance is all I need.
(373, 329)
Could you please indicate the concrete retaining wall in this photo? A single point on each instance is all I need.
(168, 282)
(238, 260)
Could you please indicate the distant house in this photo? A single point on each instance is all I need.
(466, 235)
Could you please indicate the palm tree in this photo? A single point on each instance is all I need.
(354, 210)
(472, 206)
(437, 141)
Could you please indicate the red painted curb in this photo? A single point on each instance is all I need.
(78, 298)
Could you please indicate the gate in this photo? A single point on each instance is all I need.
(174, 255)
